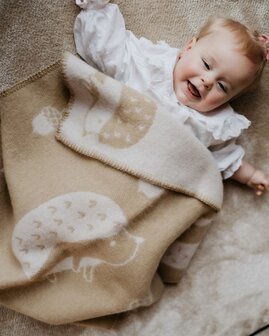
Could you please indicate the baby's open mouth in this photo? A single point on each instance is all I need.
(193, 90)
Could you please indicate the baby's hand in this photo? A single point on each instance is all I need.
(259, 181)
(91, 3)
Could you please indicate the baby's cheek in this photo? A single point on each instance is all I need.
(183, 70)
(216, 100)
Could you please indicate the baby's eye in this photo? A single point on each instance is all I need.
(206, 64)
(222, 87)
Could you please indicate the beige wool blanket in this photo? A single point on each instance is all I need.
(88, 218)
(224, 292)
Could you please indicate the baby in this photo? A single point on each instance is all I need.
(194, 84)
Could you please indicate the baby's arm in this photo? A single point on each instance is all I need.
(102, 40)
(228, 156)
(254, 178)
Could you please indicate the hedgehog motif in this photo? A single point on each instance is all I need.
(131, 120)
(115, 251)
(119, 116)
(46, 121)
(69, 218)
(179, 254)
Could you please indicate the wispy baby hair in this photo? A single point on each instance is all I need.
(252, 44)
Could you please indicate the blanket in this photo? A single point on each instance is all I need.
(94, 213)
(225, 290)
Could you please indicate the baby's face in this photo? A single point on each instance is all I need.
(211, 71)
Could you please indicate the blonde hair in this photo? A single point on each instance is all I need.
(250, 43)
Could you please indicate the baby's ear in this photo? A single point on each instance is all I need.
(190, 44)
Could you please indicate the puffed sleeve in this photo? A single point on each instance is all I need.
(228, 156)
(102, 40)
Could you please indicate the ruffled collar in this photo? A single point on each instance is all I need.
(223, 123)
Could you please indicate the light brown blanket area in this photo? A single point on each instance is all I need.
(86, 233)
(234, 255)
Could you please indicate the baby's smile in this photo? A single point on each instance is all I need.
(193, 90)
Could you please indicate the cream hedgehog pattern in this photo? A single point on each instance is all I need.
(178, 256)
(119, 126)
(46, 121)
(133, 114)
(116, 251)
(90, 216)
(71, 218)
(181, 251)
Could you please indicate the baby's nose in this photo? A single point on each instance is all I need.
(207, 82)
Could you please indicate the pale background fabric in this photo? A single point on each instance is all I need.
(225, 291)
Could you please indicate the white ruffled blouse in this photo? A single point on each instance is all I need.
(102, 40)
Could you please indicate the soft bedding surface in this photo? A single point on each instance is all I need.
(225, 290)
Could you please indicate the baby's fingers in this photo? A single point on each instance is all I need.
(259, 189)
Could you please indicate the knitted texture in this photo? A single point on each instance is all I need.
(225, 291)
